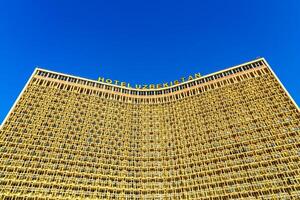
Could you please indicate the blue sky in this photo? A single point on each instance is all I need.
(145, 41)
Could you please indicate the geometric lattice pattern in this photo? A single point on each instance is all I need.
(230, 135)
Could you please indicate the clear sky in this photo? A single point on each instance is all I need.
(145, 41)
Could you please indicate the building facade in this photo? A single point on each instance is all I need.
(233, 134)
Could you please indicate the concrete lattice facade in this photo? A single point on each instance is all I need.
(233, 134)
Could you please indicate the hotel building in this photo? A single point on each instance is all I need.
(233, 134)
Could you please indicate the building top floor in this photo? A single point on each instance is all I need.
(257, 63)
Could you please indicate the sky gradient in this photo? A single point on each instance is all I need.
(145, 41)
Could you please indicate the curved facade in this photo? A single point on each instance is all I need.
(233, 134)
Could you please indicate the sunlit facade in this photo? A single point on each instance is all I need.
(233, 134)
